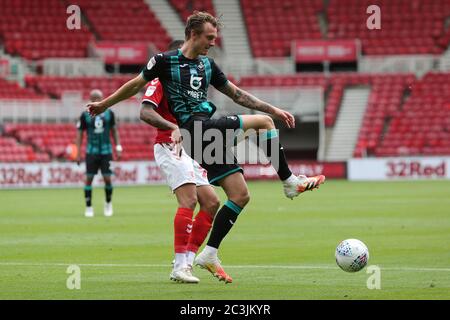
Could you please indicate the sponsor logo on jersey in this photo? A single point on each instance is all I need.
(196, 82)
(98, 123)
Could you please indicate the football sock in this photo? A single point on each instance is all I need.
(269, 140)
(223, 222)
(182, 228)
(180, 261)
(190, 256)
(200, 228)
(88, 195)
(108, 192)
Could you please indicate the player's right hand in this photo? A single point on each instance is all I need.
(177, 138)
(95, 108)
(285, 116)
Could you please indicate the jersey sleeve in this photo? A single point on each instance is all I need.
(153, 68)
(81, 123)
(218, 78)
(153, 93)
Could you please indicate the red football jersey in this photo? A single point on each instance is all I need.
(155, 95)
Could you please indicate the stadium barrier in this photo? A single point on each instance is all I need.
(410, 168)
(53, 175)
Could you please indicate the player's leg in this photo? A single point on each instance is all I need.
(270, 142)
(209, 204)
(89, 211)
(187, 200)
(92, 166)
(107, 173)
(179, 176)
(238, 196)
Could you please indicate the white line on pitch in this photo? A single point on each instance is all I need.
(298, 267)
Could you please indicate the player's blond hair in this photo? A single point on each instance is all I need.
(197, 20)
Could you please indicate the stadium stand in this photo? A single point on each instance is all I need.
(11, 151)
(185, 8)
(405, 115)
(129, 20)
(264, 19)
(422, 125)
(54, 86)
(37, 29)
(51, 140)
(12, 90)
(408, 27)
(419, 29)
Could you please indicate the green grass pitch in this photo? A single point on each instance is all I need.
(279, 249)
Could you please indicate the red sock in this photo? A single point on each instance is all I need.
(182, 228)
(201, 226)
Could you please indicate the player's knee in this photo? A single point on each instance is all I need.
(188, 202)
(242, 198)
(210, 205)
(268, 122)
(213, 206)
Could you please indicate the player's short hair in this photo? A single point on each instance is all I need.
(175, 44)
(197, 20)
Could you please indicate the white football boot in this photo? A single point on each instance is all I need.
(295, 185)
(183, 275)
(211, 263)
(108, 209)
(89, 213)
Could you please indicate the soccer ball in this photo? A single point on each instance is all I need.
(352, 255)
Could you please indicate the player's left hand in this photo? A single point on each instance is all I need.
(285, 116)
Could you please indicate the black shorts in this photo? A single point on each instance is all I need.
(224, 164)
(98, 161)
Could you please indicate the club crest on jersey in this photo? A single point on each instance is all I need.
(150, 90)
(196, 82)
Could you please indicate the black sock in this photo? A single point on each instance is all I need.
(223, 222)
(88, 195)
(108, 192)
(269, 140)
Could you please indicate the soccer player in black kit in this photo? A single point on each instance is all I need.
(186, 74)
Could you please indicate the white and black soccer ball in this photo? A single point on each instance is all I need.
(352, 255)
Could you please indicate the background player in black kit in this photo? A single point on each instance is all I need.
(98, 152)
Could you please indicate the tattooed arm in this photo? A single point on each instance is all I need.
(249, 101)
